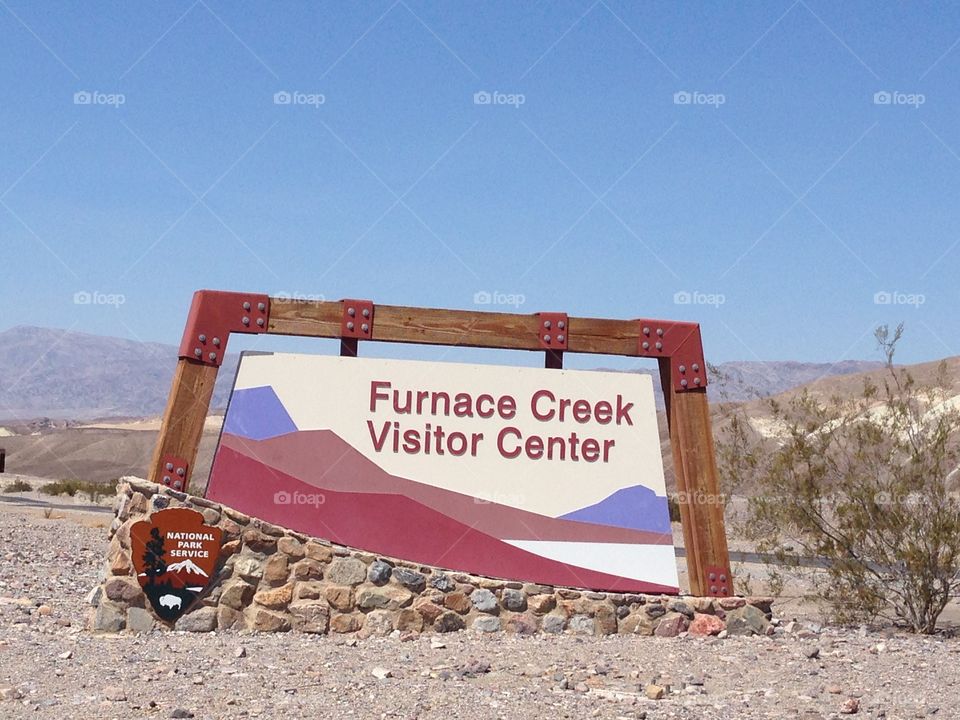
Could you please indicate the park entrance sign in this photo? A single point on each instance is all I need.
(548, 476)
(569, 449)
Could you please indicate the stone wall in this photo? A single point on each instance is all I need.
(274, 580)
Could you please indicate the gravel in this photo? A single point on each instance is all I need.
(50, 666)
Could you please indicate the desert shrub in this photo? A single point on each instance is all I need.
(864, 484)
(72, 487)
(18, 485)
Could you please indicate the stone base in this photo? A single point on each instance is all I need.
(275, 580)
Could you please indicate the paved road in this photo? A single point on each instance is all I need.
(32, 502)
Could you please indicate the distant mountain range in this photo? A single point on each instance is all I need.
(69, 375)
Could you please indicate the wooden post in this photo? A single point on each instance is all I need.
(182, 427)
(695, 470)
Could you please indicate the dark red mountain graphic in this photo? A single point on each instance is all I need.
(271, 479)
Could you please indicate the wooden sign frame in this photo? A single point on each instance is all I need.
(677, 346)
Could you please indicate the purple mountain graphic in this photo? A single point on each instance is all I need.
(637, 508)
(258, 414)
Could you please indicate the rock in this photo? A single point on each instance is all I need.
(522, 623)
(378, 623)
(655, 692)
(747, 620)
(346, 623)
(448, 622)
(291, 547)
(307, 569)
(259, 542)
(655, 610)
(389, 597)
(140, 620)
(109, 617)
(542, 604)
(851, 706)
(66, 655)
(636, 623)
(514, 600)
(249, 568)
(581, 625)
(379, 572)
(228, 618)
(340, 597)
(346, 571)
(10, 693)
(458, 602)
(605, 618)
(276, 569)
(181, 713)
(275, 599)
(311, 616)
(731, 603)
(265, 621)
(430, 611)
(679, 606)
(124, 590)
(834, 689)
(94, 596)
(704, 625)
(554, 623)
(409, 619)
(318, 552)
(484, 600)
(202, 619)
(381, 673)
(114, 693)
(411, 579)
(671, 625)
(486, 623)
(237, 594)
(473, 668)
(437, 644)
(442, 582)
(812, 653)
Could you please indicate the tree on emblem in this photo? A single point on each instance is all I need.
(153, 560)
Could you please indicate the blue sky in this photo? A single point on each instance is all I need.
(731, 165)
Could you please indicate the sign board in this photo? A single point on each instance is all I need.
(175, 557)
(549, 476)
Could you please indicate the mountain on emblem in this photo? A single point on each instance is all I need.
(175, 557)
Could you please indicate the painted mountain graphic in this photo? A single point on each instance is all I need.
(637, 508)
(184, 574)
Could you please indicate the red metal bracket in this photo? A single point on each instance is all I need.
(173, 472)
(679, 341)
(357, 320)
(554, 328)
(214, 315)
(719, 581)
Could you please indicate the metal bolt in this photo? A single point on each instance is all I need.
(216, 341)
(683, 383)
(646, 345)
(365, 327)
(198, 352)
(713, 576)
(696, 381)
(351, 311)
(212, 356)
(696, 368)
(683, 368)
(561, 324)
(246, 320)
(166, 479)
(203, 338)
(169, 466)
(713, 589)
(262, 307)
(181, 472)
(660, 332)
(561, 338)
(246, 306)
(724, 590)
(177, 485)
(260, 322)
(646, 331)
(659, 345)
(546, 324)
(546, 338)
(366, 312)
(350, 326)
(723, 578)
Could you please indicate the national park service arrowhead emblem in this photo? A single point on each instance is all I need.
(175, 556)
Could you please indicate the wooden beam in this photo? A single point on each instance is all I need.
(695, 469)
(467, 328)
(182, 427)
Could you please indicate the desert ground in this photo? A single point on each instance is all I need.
(50, 666)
